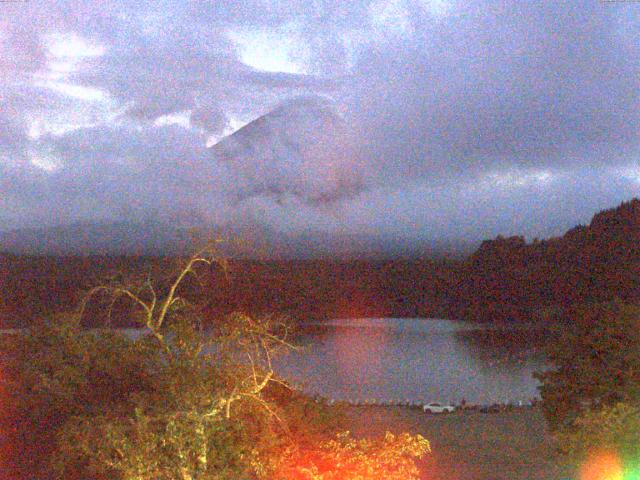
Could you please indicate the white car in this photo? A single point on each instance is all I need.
(438, 408)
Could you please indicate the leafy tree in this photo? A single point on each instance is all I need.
(52, 372)
(596, 362)
(590, 398)
(175, 403)
(614, 428)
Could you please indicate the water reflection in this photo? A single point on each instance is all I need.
(415, 359)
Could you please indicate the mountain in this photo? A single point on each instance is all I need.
(303, 148)
(154, 238)
(92, 238)
(509, 279)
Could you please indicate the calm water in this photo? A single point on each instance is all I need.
(415, 359)
(420, 360)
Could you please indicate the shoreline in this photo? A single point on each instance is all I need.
(470, 445)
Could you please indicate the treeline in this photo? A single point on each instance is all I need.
(509, 279)
(39, 286)
(506, 279)
(303, 289)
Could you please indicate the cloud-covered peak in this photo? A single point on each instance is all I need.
(302, 148)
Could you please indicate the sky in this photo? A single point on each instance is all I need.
(467, 119)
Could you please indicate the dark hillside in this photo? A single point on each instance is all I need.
(505, 279)
(508, 279)
(304, 289)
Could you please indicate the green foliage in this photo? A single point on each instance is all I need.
(104, 405)
(55, 371)
(101, 405)
(508, 279)
(590, 398)
(613, 428)
(596, 359)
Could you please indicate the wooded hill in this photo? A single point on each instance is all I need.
(510, 279)
(504, 279)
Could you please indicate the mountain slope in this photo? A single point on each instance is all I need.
(507, 278)
(302, 148)
(106, 238)
(254, 242)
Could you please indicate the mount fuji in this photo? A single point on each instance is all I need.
(303, 148)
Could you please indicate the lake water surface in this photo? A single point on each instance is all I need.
(420, 360)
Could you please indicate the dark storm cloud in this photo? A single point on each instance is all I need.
(20, 48)
(478, 210)
(261, 13)
(465, 116)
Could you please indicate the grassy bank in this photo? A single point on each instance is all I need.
(513, 445)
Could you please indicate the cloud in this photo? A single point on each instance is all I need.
(471, 118)
(105, 166)
(501, 83)
(536, 205)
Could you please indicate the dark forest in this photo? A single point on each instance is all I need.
(505, 279)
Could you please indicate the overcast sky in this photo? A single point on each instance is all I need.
(469, 118)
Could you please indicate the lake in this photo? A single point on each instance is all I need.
(420, 360)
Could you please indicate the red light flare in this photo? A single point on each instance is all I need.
(299, 465)
(359, 354)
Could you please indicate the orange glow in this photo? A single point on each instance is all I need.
(602, 465)
(302, 464)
